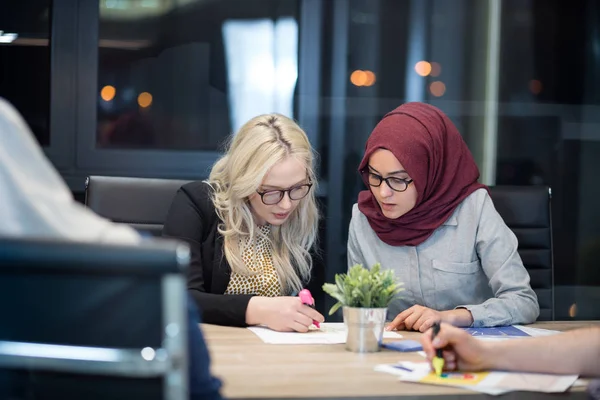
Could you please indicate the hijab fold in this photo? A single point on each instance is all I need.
(432, 151)
(35, 201)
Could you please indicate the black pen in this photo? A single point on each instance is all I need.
(438, 360)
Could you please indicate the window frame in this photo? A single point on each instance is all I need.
(168, 163)
(61, 112)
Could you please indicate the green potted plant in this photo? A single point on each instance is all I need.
(364, 295)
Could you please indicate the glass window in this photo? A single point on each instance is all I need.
(182, 75)
(262, 67)
(520, 79)
(548, 133)
(25, 62)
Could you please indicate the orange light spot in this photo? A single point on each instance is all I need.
(437, 88)
(371, 78)
(423, 68)
(359, 78)
(108, 93)
(144, 99)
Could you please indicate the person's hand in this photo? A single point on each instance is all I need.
(284, 314)
(461, 350)
(419, 318)
(416, 318)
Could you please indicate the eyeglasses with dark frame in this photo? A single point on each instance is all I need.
(272, 197)
(396, 184)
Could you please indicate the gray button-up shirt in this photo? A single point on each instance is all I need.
(471, 261)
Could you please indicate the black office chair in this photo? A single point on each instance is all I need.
(527, 212)
(91, 321)
(140, 202)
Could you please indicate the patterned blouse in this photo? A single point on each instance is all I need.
(258, 258)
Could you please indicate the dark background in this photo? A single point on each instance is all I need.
(548, 131)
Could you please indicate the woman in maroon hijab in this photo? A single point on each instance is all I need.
(425, 216)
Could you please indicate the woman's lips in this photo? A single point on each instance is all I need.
(387, 206)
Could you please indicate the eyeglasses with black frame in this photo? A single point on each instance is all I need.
(272, 197)
(396, 184)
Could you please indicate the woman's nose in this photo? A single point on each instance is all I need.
(385, 190)
(286, 202)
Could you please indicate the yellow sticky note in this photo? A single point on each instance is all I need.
(455, 378)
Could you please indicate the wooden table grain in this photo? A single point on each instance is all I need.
(250, 368)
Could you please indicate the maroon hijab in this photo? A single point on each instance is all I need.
(432, 151)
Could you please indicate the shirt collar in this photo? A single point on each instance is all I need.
(452, 221)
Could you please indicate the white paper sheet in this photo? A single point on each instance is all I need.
(421, 369)
(330, 333)
(536, 331)
(494, 383)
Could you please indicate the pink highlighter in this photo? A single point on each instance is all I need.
(306, 298)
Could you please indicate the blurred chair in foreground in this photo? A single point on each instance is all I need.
(93, 321)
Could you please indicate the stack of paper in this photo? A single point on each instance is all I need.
(329, 333)
(493, 383)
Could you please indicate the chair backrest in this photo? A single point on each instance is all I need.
(93, 321)
(527, 212)
(140, 202)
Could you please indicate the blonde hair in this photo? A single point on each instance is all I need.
(260, 144)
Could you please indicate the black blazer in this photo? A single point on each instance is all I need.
(192, 218)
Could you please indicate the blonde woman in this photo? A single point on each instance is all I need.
(251, 226)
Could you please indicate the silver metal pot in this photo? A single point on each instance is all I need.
(365, 328)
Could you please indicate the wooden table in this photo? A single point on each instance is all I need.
(250, 368)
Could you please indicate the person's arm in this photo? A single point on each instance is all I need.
(187, 221)
(573, 352)
(202, 384)
(354, 251)
(515, 301)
